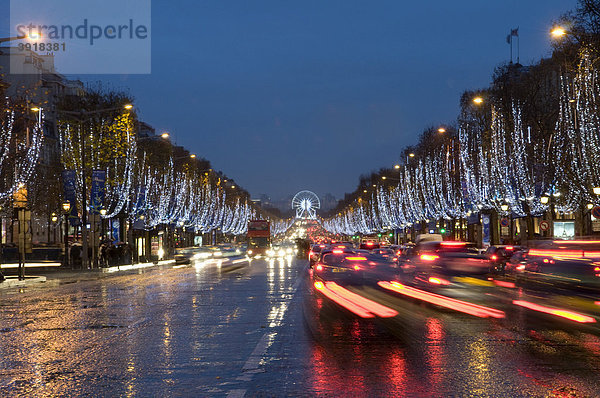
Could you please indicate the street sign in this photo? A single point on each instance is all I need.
(544, 225)
(504, 222)
(596, 212)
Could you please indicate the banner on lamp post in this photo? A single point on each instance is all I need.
(98, 188)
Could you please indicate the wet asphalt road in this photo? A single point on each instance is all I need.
(258, 331)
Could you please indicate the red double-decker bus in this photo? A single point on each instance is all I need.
(259, 237)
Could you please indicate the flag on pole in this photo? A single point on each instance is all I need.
(513, 32)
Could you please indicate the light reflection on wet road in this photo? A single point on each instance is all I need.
(201, 331)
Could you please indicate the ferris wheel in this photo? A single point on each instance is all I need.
(306, 204)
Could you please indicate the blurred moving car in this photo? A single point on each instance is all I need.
(345, 266)
(447, 257)
(315, 253)
(368, 244)
(499, 255)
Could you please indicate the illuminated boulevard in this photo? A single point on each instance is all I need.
(227, 328)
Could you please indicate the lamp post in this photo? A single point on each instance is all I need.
(544, 200)
(67, 208)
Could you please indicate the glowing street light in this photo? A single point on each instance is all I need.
(128, 106)
(165, 135)
(504, 207)
(558, 32)
(596, 190)
(396, 166)
(384, 178)
(193, 156)
(35, 109)
(478, 100)
(441, 130)
(544, 200)
(412, 155)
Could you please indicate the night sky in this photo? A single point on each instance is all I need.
(285, 96)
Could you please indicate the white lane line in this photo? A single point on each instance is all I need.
(252, 364)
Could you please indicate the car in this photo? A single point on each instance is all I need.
(369, 244)
(446, 257)
(346, 267)
(386, 254)
(499, 255)
(314, 253)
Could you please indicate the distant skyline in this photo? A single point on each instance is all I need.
(309, 95)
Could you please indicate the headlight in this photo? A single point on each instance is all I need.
(250, 252)
(270, 253)
(288, 250)
(281, 252)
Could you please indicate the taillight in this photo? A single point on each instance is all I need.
(438, 281)
(494, 257)
(356, 268)
(338, 251)
(509, 248)
(521, 267)
(319, 267)
(310, 253)
(356, 258)
(429, 257)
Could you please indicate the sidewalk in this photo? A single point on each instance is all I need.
(53, 274)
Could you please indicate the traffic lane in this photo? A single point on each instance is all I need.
(160, 332)
(455, 353)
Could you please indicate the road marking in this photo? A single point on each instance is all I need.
(252, 364)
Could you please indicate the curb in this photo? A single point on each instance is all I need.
(135, 266)
(13, 281)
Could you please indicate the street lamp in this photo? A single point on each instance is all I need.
(596, 190)
(67, 208)
(558, 31)
(504, 207)
(441, 130)
(165, 135)
(478, 100)
(544, 200)
(397, 166)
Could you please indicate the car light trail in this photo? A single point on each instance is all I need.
(443, 301)
(509, 285)
(429, 257)
(353, 302)
(438, 281)
(574, 316)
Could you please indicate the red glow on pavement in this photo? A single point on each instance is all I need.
(429, 257)
(597, 303)
(443, 301)
(573, 316)
(509, 285)
(438, 281)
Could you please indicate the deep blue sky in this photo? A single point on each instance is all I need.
(284, 96)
